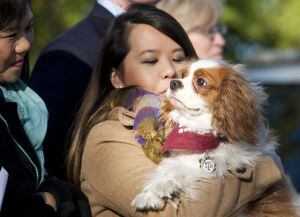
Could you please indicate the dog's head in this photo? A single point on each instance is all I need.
(217, 94)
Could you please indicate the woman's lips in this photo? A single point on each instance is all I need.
(18, 63)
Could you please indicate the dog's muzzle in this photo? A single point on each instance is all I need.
(175, 84)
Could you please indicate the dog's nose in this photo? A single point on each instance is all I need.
(175, 84)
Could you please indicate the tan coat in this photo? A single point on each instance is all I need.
(114, 167)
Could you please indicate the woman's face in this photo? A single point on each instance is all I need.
(152, 61)
(208, 43)
(15, 42)
(208, 46)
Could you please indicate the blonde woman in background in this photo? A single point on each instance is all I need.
(200, 20)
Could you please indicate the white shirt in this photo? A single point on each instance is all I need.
(3, 183)
(113, 8)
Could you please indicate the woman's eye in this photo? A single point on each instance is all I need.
(201, 82)
(29, 28)
(11, 35)
(150, 61)
(179, 59)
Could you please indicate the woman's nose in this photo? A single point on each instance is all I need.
(219, 39)
(169, 71)
(23, 45)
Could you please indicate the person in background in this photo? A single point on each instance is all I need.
(144, 47)
(200, 19)
(62, 72)
(23, 124)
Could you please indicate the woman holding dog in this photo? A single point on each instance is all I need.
(144, 47)
(23, 123)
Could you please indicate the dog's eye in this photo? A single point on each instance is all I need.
(201, 82)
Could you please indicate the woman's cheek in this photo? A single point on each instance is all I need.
(200, 44)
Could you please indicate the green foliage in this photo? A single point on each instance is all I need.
(53, 17)
(273, 23)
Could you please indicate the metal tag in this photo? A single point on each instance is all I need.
(207, 164)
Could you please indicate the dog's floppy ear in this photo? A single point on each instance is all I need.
(166, 108)
(237, 110)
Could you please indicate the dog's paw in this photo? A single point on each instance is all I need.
(169, 189)
(147, 201)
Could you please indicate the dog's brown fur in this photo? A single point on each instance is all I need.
(236, 112)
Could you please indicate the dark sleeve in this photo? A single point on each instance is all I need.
(21, 204)
(60, 78)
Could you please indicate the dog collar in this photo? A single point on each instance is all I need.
(180, 139)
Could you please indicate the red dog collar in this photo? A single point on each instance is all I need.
(179, 139)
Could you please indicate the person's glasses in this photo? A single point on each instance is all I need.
(222, 29)
(219, 28)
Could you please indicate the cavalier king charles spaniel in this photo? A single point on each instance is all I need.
(217, 126)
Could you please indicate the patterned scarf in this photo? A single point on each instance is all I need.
(147, 126)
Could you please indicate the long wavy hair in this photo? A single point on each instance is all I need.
(100, 98)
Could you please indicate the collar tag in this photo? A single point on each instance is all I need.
(207, 163)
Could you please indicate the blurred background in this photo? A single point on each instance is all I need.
(262, 34)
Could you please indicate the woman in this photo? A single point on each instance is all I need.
(23, 124)
(200, 20)
(144, 47)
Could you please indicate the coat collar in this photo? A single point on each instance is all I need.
(100, 12)
(124, 116)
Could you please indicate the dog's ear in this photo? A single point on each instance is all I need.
(237, 111)
(166, 108)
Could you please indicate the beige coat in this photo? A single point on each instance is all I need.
(114, 167)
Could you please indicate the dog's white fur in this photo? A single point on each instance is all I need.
(178, 175)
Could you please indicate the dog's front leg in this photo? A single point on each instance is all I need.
(161, 185)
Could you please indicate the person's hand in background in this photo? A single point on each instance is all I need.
(69, 199)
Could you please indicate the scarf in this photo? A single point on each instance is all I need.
(33, 115)
(149, 131)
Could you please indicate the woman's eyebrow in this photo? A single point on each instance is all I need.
(11, 29)
(147, 51)
(177, 50)
(14, 28)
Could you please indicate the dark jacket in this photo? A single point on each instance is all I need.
(23, 167)
(60, 77)
(19, 159)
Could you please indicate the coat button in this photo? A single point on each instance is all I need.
(241, 170)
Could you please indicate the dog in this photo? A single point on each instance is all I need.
(217, 126)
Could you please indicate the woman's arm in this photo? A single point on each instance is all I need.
(114, 173)
(114, 169)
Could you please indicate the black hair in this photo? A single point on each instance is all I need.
(12, 12)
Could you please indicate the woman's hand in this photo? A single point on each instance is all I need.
(68, 198)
